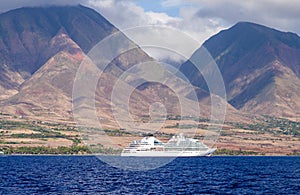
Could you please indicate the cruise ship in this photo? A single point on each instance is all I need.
(177, 146)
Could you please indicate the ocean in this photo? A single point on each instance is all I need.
(201, 175)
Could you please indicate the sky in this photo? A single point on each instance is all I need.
(199, 19)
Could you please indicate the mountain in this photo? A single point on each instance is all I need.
(26, 38)
(260, 67)
(42, 51)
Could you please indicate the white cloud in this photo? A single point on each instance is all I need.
(160, 18)
(126, 14)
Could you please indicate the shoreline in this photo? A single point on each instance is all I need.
(82, 155)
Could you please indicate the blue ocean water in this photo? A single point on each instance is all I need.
(87, 174)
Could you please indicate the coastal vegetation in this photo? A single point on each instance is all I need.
(261, 137)
(239, 152)
(272, 125)
(46, 150)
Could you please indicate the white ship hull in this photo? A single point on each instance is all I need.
(168, 153)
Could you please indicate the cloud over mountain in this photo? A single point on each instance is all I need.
(199, 19)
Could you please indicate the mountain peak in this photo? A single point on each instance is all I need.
(248, 24)
(47, 7)
(270, 34)
(258, 27)
(62, 40)
(244, 25)
(252, 24)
